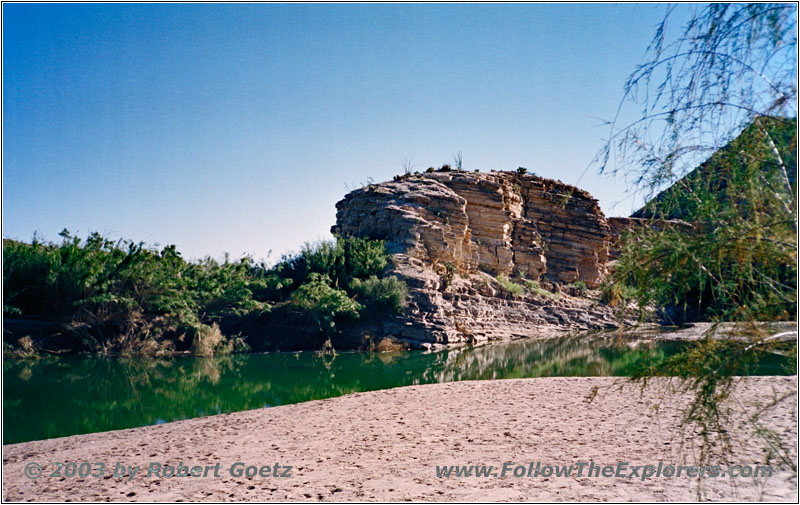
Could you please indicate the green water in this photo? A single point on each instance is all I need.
(60, 396)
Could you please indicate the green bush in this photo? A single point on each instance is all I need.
(341, 260)
(364, 257)
(325, 304)
(380, 295)
(449, 275)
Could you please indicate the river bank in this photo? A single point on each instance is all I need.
(386, 445)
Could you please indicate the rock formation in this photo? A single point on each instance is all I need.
(459, 238)
(501, 223)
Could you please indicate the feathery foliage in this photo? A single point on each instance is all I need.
(721, 242)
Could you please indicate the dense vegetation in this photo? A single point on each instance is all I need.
(125, 298)
(722, 86)
(732, 255)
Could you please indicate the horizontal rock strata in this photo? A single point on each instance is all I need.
(458, 237)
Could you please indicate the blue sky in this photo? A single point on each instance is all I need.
(238, 127)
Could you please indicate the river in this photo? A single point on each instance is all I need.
(58, 396)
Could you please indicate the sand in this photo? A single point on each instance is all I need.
(386, 445)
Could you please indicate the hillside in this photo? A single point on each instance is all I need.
(712, 176)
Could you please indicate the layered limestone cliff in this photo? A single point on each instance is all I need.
(458, 239)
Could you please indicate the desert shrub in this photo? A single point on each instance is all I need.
(380, 295)
(364, 257)
(206, 340)
(390, 345)
(615, 293)
(336, 282)
(458, 160)
(24, 349)
(324, 258)
(522, 170)
(448, 275)
(341, 260)
(324, 304)
(209, 341)
(57, 280)
(123, 297)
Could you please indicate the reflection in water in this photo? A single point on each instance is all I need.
(60, 396)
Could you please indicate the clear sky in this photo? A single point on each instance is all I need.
(221, 127)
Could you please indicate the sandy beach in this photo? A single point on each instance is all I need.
(386, 446)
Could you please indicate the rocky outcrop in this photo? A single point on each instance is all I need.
(485, 255)
(500, 223)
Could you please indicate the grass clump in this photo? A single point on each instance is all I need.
(615, 293)
(510, 287)
(534, 288)
(207, 340)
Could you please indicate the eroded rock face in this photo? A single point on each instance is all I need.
(500, 222)
(480, 226)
